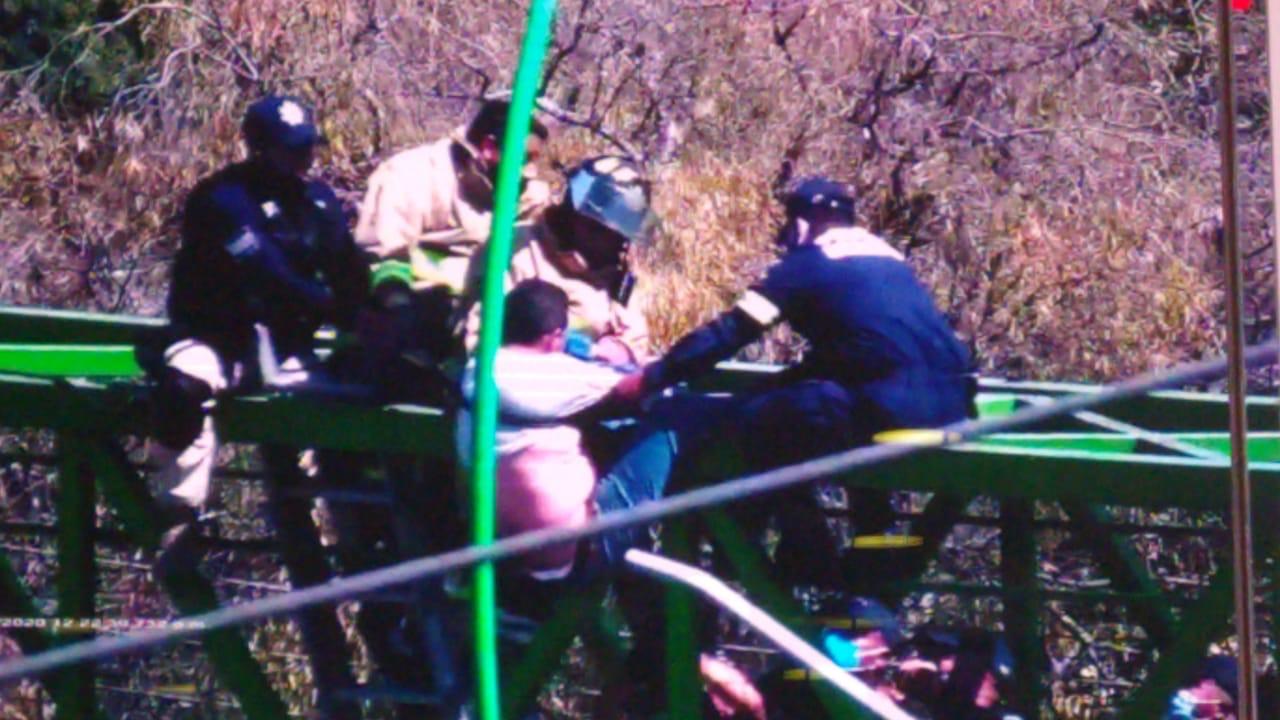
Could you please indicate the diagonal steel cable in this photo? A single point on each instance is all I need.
(664, 568)
(739, 489)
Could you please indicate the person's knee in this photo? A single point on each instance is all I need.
(798, 422)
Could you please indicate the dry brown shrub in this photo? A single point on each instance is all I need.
(996, 145)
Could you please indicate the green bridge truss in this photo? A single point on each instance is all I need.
(73, 374)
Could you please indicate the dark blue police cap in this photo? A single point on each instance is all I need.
(818, 194)
(281, 120)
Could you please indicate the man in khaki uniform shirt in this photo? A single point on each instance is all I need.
(432, 205)
(582, 245)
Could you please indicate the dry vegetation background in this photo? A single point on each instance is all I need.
(1050, 166)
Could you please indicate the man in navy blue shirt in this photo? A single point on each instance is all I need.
(880, 356)
(266, 258)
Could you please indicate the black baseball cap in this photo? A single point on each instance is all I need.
(281, 120)
(818, 194)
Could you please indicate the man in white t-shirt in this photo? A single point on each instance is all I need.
(547, 479)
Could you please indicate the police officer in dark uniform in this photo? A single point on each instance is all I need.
(881, 356)
(266, 258)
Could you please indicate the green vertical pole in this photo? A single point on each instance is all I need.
(683, 698)
(506, 195)
(748, 564)
(73, 686)
(1018, 566)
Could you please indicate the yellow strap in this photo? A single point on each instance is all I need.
(915, 436)
(427, 270)
(886, 542)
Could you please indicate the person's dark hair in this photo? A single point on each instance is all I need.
(491, 121)
(534, 308)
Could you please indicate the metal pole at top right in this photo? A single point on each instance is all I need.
(1241, 500)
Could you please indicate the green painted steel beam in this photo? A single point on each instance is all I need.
(43, 403)
(1008, 471)
(751, 568)
(121, 409)
(996, 404)
(1078, 442)
(77, 572)
(115, 361)
(307, 422)
(1019, 566)
(44, 325)
(191, 592)
(544, 654)
(1263, 446)
(48, 326)
(1126, 570)
(1169, 410)
(1164, 411)
(684, 696)
(1137, 480)
(1204, 621)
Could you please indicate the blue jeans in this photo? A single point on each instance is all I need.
(639, 476)
(675, 427)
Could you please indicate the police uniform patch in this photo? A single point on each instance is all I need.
(759, 308)
(246, 243)
(606, 165)
(625, 175)
(292, 114)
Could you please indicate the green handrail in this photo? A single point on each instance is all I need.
(485, 413)
(109, 361)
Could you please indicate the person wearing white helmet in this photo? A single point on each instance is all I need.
(583, 244)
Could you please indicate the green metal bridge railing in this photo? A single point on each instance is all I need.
(1065, 461)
